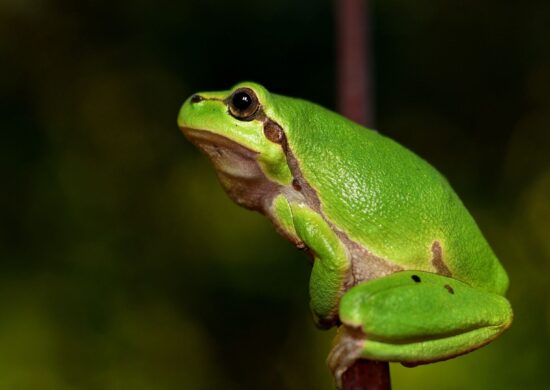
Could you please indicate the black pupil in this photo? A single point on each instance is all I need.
(241, 101)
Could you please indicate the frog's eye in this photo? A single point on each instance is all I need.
(243, 104)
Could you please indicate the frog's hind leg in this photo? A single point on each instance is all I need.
(415, 317)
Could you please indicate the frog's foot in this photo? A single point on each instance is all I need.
(347, 348)
(415, 317)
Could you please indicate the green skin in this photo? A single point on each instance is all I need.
(392, 243)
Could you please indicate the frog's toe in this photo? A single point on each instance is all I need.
(347, 348)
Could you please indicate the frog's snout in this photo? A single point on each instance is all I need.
(186, 109)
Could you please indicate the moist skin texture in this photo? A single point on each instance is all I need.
(369, 208)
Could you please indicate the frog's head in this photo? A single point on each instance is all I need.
(245, 145)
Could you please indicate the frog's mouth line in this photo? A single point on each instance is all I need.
(231, 159)
(207, 139)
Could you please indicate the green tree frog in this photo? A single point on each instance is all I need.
(398, 262)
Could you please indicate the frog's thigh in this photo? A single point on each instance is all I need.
(330, 266)
(419, 317)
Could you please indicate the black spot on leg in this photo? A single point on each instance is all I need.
(449, 289)
(296, 185)
(416, 278)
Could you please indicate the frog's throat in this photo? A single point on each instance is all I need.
(237, 168)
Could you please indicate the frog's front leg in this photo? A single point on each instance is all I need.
(331, 264)
(415, 317)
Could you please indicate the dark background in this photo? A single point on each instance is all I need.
(123, 265)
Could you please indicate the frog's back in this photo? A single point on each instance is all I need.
(386, 198)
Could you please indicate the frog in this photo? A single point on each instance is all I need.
(399, 265)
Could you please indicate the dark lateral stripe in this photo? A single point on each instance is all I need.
(437, 260)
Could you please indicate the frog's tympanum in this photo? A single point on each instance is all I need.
(398, 262)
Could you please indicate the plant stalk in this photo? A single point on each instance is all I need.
(356, 101)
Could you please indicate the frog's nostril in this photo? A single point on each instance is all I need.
(196, 98)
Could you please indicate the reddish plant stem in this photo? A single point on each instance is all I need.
(355, 84)
(367, 375)
(355, 101)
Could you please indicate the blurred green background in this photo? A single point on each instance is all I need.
(123, 265)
